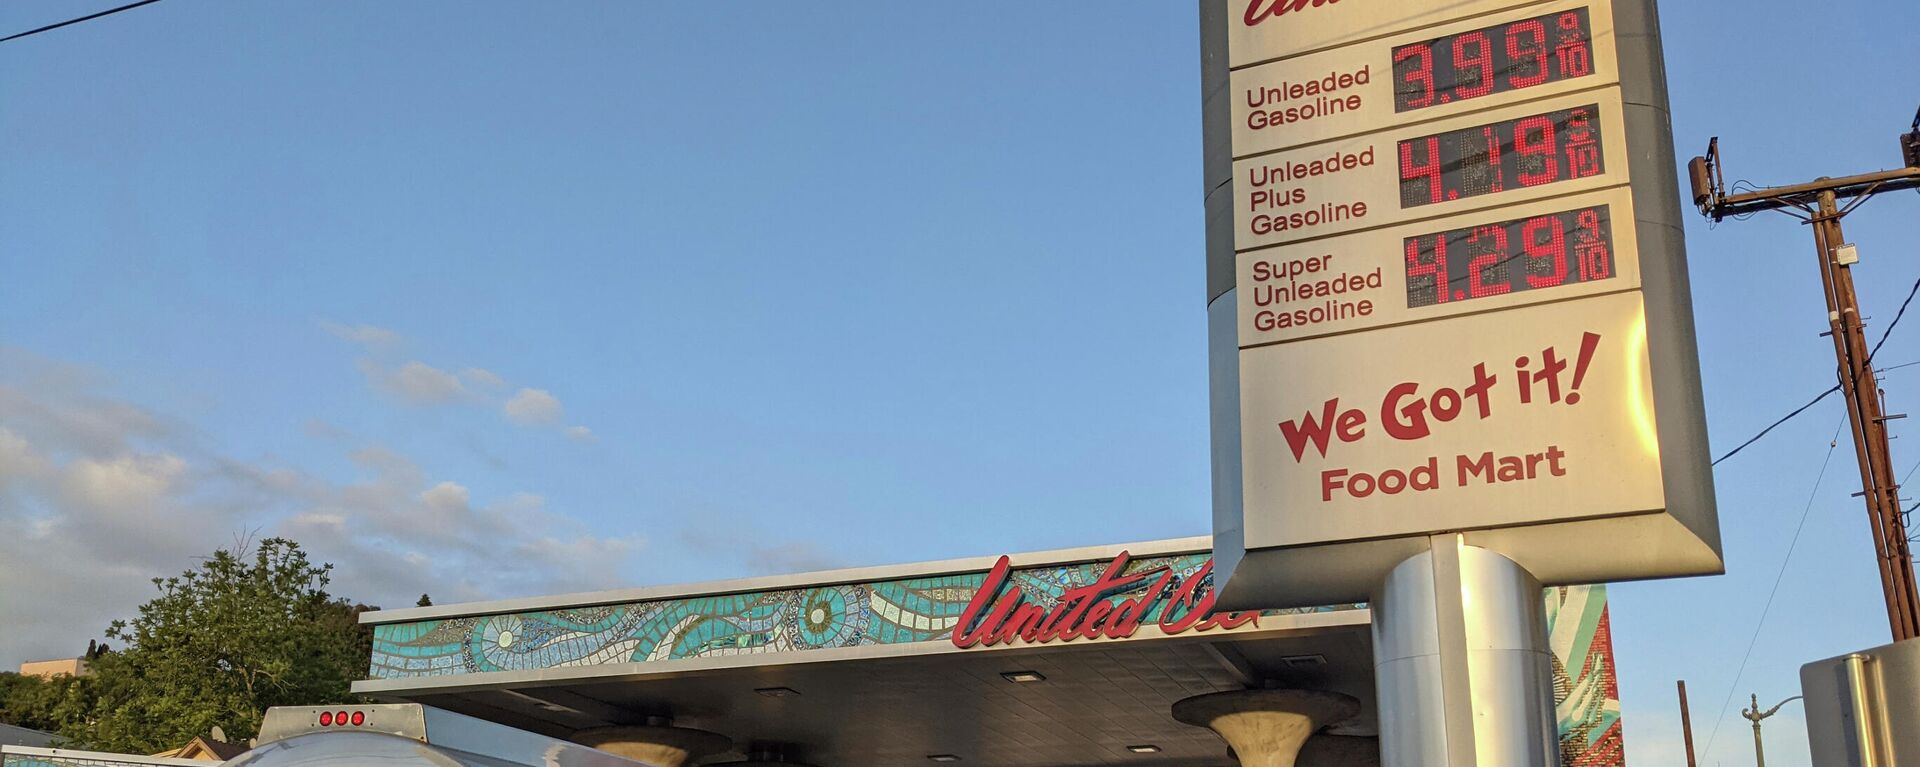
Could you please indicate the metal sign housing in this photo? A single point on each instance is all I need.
(1447, 293)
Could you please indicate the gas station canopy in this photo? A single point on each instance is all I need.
(1056, 658)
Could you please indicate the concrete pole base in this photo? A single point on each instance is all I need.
(658, 745)
(1266, 728)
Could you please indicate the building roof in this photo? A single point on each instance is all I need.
(203, 748)
(21, 736)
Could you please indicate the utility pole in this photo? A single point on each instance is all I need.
(1686, 723)
(1755, 715)
(1819, 204)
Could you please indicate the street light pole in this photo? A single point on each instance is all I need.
(1755, 715)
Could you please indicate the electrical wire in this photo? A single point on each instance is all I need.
(1832, 443)
(1894, 323)
(70, 22)
(1775, 424)
(1884, 335)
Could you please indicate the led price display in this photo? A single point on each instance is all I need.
(1510, 257)
(1497, 59)
(1525, 152)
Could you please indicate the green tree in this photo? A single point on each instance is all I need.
(33, 702)
(218, 646)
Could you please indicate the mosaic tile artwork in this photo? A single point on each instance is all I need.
(881, 613)
(1586, 693)
(43, 760)
(909, 611)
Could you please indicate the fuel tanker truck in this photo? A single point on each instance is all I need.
(407, 735)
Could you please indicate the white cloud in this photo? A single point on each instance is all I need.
(482, 378)
(418, 383)
(446, 497)
(365, 335)
(97, 496)
(415, 382)
(530, 407)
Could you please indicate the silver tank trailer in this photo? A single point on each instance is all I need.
(407, 735)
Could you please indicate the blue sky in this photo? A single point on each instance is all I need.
(488, 299)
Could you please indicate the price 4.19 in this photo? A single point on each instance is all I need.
(1526, 152)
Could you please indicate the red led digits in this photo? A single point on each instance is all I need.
(1510, 257)
(1473, 62)
(1544, 239)
(1590, 247)
(1496, 59)
(1487, 274)
(1531, 151)
(1582, 144)
(1426, 279)
(1413, 65)
(1421, 182)
(1534, 141)
(1527, 48)
(1575, 50)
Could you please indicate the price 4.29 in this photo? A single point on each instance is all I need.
(1510, 257)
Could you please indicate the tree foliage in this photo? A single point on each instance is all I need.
(220, 644)
(40, 704)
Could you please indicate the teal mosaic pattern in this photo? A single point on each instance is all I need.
(40, 760)
(796, 620)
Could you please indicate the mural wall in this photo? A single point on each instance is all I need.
(904, 612)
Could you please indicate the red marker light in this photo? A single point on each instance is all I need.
(359, 718)
(326, 719)
(340, 719)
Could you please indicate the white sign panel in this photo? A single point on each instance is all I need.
(1549, 48)
(1523, 152)
(1543, 251)
(1503, 418)
(1261, 30)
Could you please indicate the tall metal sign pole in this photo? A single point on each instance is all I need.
(1450, 335)
(1822, 204)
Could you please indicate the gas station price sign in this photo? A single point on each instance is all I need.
(1448, 280)
(1503, 156)
(1537, 253)
(1529, 151)
(1504, 57)
(1527, 52)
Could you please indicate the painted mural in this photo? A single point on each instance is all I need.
(851, 615)
(67, 760)
(911, 611)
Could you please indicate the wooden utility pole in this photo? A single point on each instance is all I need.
(1686, 724)
(1819, 204)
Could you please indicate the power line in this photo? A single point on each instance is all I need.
(1775, 424)
(1884, 335)
(1832, 443)
(69, 22)
(1896, 321)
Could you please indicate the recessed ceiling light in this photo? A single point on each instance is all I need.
(942, 758)
(1302, 661)
(778, 692)
(1023, 677)
(1144, 748)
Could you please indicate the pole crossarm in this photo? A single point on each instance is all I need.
(1806, 196)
